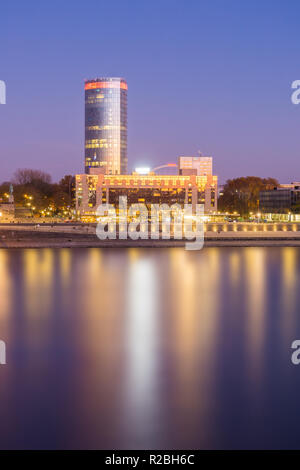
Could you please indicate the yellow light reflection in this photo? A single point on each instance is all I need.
(141, 340)
(235, 266)
(193, 326)
(38, 268)
(65, 266)
(289, 286)
(255, 265)
(5, 284)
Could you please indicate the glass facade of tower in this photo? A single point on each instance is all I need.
(106, 125)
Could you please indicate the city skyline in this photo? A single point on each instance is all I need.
(216, 88)
(149, 228)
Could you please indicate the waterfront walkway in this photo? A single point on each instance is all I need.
(84, 235)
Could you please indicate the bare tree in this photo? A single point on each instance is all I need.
(28, 176)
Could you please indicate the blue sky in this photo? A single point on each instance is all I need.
(207, 75)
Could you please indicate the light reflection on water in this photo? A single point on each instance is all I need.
(149, 348)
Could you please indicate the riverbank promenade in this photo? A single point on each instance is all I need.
(70, 235)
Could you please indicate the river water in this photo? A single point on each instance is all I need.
(149, 348)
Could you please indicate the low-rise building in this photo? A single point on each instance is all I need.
(282, 199)
(295, 185)
(201, 166)
(96, 188)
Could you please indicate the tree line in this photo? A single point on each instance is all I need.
(34, 190)
(242, 194)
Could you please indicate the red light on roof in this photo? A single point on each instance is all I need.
(94, 85)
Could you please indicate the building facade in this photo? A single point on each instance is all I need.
(280, 199)
(201, 166)
(295, 185)
(95, 189)
(106, 125)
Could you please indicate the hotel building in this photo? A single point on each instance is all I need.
(106, 125)
(98, 188)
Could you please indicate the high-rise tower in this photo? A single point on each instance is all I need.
(106, 125)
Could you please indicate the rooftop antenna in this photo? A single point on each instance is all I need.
(200, 153)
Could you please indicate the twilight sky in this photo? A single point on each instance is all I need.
(209, 75)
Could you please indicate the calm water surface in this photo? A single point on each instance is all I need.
(150, 348)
